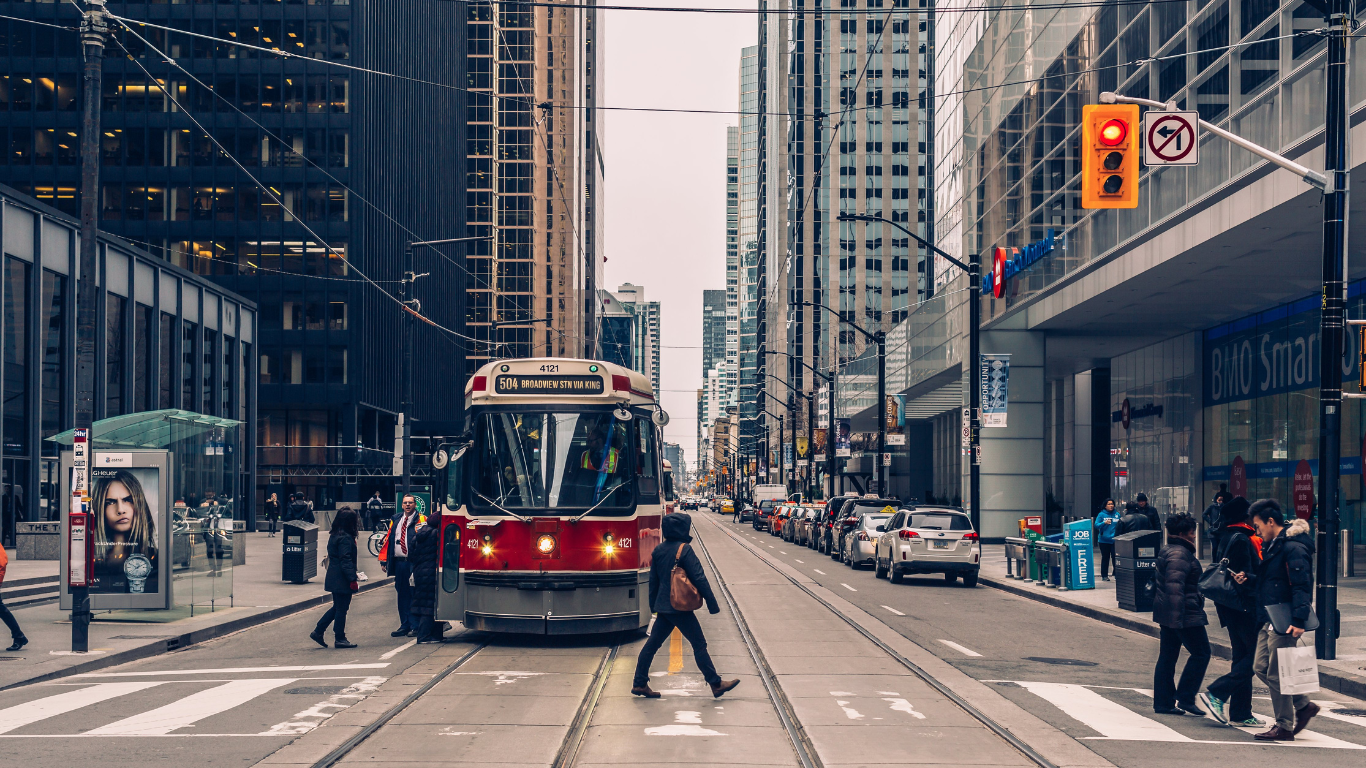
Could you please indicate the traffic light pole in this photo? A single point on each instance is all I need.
(1334, 182)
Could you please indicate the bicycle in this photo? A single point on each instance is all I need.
(376, 540)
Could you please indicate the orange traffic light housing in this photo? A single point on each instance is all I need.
(1109, 155)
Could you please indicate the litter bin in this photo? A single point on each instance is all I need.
(300, 561)
(1135, 559)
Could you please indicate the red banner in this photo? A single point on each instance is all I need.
(1304, 490)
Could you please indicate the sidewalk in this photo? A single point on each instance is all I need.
(116, 637)
(1346, 674)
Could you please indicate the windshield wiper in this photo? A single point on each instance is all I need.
(499, 508)
(607, 496)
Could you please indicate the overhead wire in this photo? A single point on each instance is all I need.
(840, 11)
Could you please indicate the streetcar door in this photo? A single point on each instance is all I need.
(450, 603)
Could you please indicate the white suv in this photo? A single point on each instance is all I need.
(928, 540)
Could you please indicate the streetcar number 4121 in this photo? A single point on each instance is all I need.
(550, 368)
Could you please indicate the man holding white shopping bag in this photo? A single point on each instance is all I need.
(1285, 591)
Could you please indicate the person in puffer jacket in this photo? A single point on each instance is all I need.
(677, 548)
(1179, 610)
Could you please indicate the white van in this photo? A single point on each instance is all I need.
(769, 491)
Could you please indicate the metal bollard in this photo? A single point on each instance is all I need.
(1348, 552)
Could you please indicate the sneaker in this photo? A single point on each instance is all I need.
(1251, 722)
(1215, 705)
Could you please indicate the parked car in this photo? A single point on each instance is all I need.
(849, 515)
(764, 513)
(929, 540)
(747, 513)
(860, 541)
(802, 527)
(826, 522)
(780, 515)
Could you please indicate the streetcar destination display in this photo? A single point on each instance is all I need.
(548, 385)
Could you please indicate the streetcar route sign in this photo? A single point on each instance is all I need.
(1171, 138)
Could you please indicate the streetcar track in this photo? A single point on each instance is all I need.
(996, 728)
(578, 729)
(801, 743)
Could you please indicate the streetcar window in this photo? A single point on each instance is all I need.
(647, 457)
(551, 461)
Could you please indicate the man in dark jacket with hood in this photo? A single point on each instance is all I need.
(675, 549)
(1148, 511)
(1179, 609)
(1285, 577)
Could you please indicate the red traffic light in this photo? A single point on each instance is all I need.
(1113, 132)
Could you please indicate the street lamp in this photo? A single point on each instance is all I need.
(879, 338)
(973, 267)
(830, 433)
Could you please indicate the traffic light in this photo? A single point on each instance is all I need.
(1109, 155)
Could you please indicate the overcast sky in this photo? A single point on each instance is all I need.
(665, 198)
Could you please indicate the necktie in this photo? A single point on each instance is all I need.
(403, 536)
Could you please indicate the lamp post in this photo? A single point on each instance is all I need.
(811, 420)
(879, 338)
(973, 267)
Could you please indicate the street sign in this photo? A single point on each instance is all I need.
(967, 427)
(1171, 138)
(81, 460)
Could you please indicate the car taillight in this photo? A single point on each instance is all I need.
(479, 384)
(906, 535)
(621, 383)
(970, 537)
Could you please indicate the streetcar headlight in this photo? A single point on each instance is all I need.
(487, 547)
(608, 543)
(545, 544)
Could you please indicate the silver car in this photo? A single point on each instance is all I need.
(860, 543)
(929, 540)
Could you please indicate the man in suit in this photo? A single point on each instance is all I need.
(396, 563)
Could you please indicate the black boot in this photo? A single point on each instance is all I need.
(317, 637)
(19, 642)
(342, 642)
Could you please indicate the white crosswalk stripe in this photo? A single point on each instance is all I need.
(52, 706)
(1116, 722)
(191, 709)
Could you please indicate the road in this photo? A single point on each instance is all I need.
(837, 668)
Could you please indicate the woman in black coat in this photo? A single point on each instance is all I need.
(1230, 697)
(341, 577)
(423, 549)
(1179, 610)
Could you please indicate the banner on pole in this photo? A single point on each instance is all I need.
(995, 389)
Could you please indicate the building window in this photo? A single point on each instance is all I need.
(209, 399)
(54, 352)
(16, 410)
(229, 352)
(113, 355)
(188, 345)
(143, 374)
(166, 378)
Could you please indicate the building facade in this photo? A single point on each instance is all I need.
(644, 330)
(298, 193)
(535, 179)
(169, 340)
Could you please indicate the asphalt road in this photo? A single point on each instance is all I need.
(1086, 678)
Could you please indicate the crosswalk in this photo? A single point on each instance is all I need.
(165, 708)
(1109, 712)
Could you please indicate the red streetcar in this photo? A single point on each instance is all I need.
(551, 502)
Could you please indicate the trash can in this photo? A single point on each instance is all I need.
(300, 561)
(1135, 559)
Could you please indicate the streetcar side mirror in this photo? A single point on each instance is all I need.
(449, 479)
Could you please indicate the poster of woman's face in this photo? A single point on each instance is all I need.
(127, 511)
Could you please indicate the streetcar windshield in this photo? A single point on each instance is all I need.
(539, 461)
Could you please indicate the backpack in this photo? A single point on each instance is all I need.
(683, 595)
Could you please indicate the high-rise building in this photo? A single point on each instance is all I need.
(535, 179)
(357, 165)
(732, 251)
(616, 331)
(748, 273)
(713, 329)
(645, 331)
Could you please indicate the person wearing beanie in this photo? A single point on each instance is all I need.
(1148, 511)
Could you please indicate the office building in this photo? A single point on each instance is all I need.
(535, 180)
(329, 143)
(616, 331)
(645, 330)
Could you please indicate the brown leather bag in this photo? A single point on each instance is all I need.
(683, 596)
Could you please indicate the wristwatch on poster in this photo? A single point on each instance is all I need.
(137, 568)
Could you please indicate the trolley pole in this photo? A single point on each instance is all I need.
(1335, 208)
(94, 29)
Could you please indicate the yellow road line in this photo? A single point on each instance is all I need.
(675, 652)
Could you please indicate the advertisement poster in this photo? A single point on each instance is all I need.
(128, 515)
(842, 438)
(1304, 490)
(995, 389)
(895, 412)
(802, 446)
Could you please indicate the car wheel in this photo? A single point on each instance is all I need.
(878, 571)
(895, 576)
(951, 578)
(970, 579)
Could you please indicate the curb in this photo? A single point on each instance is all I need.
(1335, 681)
(193, 637)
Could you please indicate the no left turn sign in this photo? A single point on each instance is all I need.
(1171, 138)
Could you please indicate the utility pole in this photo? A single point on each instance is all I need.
(94, 29)
(405, 416)
(1335, 210)
(881, 339)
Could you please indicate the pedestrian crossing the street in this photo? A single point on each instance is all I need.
(183, 707)
(1116, 713)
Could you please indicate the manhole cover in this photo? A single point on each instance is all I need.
(1062, 662)
(318, 690)
(140, 637)
(1349, 712)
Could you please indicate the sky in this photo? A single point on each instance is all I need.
(665, 187)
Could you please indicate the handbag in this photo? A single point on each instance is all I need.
(683, 595)
(1218, 585)
(1281, 614)
(1298, 669)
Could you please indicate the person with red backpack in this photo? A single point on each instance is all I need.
(8, 618)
